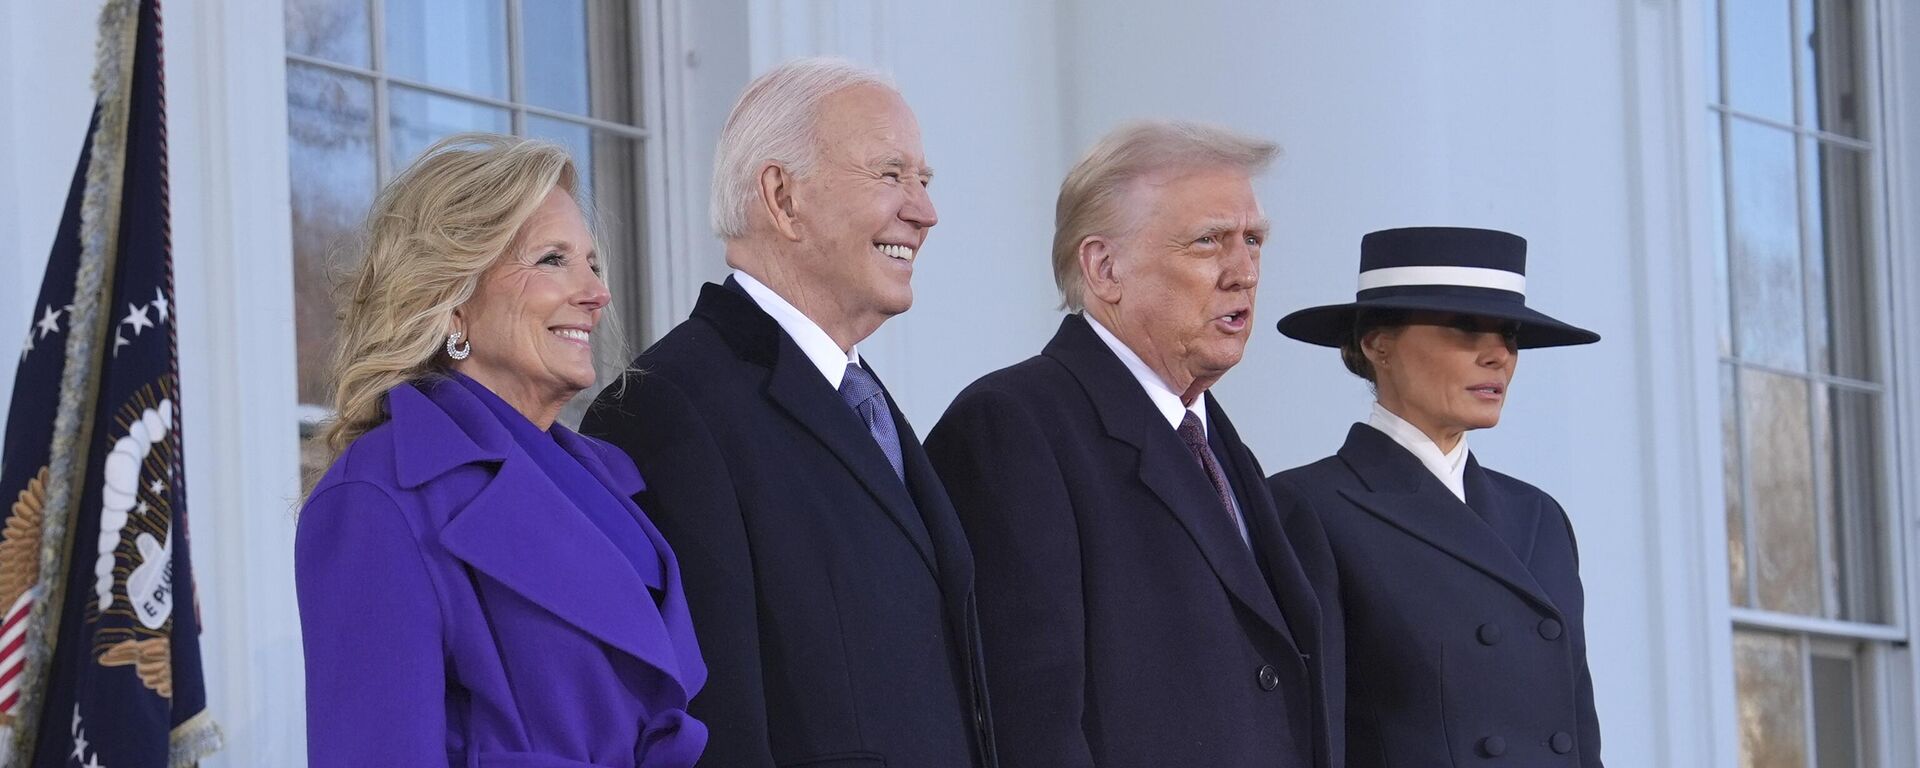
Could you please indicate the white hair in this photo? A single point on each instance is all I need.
(773, 123)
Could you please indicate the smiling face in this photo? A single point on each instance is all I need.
(531, 320)
(1182, 282)
(1445, 373)
(861, 214)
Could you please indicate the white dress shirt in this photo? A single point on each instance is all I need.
(818, 346)
(1450, 468)
(1166, 401)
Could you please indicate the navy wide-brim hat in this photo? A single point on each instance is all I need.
(1479, 272)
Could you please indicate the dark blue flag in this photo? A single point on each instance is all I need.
(100, 652)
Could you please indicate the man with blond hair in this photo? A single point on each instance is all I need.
(830, 584)
(1140, 601)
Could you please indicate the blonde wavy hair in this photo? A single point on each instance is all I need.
(432, 233)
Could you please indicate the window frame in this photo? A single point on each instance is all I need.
(635, 278)
(1888, 678)
(1892, 549)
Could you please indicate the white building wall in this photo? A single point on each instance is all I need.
(1569, 123)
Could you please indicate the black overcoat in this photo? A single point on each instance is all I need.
(1463, 620)
(1126, 622)
(833, 604)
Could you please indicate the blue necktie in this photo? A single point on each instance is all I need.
(862, 393)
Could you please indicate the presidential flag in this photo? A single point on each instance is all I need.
(99, 651)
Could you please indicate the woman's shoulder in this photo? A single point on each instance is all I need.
(1323, 475)
(366, 464)
(1517, 487)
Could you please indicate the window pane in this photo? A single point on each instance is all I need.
(330, 151)
(1849, 461)
(1759, 40)
(1830, 67)
(579, 58)
(458, 44)
(1768, 682)
(577, 138)
(1764, 239)
(1737, 574)
(1836, 725)
(1842, 305)
(1786, 563)
(334, 30)
(554, 54)
(421, 118)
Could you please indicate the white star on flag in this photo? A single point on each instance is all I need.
(49, 322)
(160, 304)
(137, 317)
(118, 342)
(157, 487)
(27, 348)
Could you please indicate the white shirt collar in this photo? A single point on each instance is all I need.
(818, 346)
(1450, 468)
(1163, 396)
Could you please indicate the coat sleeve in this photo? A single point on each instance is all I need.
(1011, 496)
(1310, 543)
(1583, 682)
(690, 497)
(372, 625)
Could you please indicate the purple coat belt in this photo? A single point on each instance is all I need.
(458, 607)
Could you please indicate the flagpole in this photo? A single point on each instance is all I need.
(80, 378)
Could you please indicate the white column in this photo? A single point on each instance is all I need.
(226, 89)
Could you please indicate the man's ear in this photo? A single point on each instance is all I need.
(776, 199)
(1098, 260)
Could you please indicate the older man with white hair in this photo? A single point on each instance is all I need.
(1140, 600)
(830, 584)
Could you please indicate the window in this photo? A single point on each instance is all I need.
(1804, 381)
(371, 83)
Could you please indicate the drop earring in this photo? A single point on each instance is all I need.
(455, 349)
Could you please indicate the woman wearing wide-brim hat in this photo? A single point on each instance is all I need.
(1459, 587)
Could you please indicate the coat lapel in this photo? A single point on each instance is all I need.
(612, 467)
(941, 523)
(1165, 465)
(523, 532)
(1298, 602)
(1516, 518)
(795, 385)
(1404, 494)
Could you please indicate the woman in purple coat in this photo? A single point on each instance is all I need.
(476, 586)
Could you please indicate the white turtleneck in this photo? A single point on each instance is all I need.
(1450, 468)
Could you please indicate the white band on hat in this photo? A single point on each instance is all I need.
(1470, 277)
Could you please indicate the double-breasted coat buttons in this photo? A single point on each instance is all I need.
(1493, 746)
(1489, 634)
(1561, 741)
(1550, 629)
(1269, 679)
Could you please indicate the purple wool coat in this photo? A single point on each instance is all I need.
(460, 610)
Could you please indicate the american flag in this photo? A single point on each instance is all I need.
(99, 647)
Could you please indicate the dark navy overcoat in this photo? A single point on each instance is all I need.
(1465, 643)
(833, 602)
(1127, 624)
